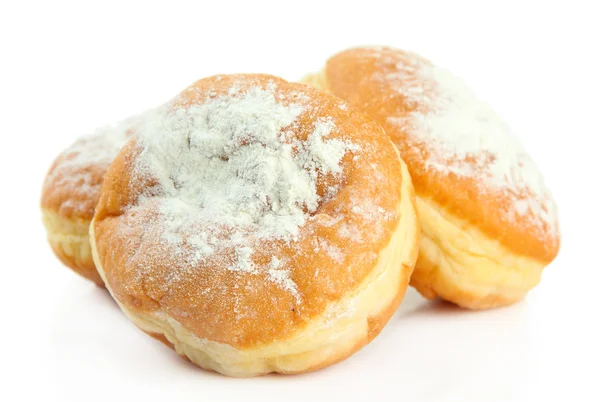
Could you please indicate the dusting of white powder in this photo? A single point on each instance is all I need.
(228, 167)
(466, 136)
(332, 251)
(282, 277)
(97, 150)
(101, 146)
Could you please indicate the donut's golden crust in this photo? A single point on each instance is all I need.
(348, 76)
(375, 325)
(376, 300)
(67, 210)
(70, 193)
(73, 199)
(390, 288)
(190, 319)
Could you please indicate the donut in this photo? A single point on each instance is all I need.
(71, 190)
(257, 226)
(489, 224)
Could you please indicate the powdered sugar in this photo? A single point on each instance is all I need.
(350, 232)
(80, 168)
(104, 144)
(279, 275)
(321, 154)
(229, 174)
(101, 146)
(465, 136)
(334, 252)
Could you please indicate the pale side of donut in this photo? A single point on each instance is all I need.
(345, 327)
(70, 242)
(460, 263)
(477, 189)
(71, 191)
(241, 234)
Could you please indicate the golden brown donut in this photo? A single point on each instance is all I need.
(257, 226)
(489, 223)
(71, 191)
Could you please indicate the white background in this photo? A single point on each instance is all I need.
(68, 68)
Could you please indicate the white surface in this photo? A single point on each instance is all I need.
(67, 69)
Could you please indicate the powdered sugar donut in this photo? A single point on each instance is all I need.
(71, 191)
(257, 226)
(489, 223)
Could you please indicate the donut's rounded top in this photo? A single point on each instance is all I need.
(72, 185)
(245, 207)
(458, 150)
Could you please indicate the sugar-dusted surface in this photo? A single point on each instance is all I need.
(466, 136)
(459, 151)
(215, 220)
(72, 186)
(232, 164)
